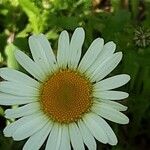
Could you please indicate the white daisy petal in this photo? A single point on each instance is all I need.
(112, 95)
(8, 130)
(25, 128)
(22, 111)
(95, 48)
(52, 63)
(112, 139)
(40, 52)
(65, 141)
(11, 128)
(18, 89)
(112, 82)
(95, 128)
(37, 139)
(63, 49)
(17, 76)
(47, 49)
(30, 66)
(7, 99)
(76, 47)
(107, 51)
(75, 136)
(112, 104)
(54, 138)
(110, 113)
(106, 67)
(87, 136)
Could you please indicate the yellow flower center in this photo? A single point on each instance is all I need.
(66, 96)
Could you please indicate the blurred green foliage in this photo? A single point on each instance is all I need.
(126, 22)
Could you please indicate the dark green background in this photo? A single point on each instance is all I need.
(126, 22)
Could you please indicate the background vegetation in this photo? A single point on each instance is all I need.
(126, 22)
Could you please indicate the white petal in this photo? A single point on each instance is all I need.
(112, 95)
(7, 99)
(47, 49)
(112, 82)
(63, 49)
(112, 139)
(18, 89)
(39, 53)
(87, 60)
(106, 67)
(30, 66)
(22, 111)
(75, 136)
(96, 130)
(11, 128)
(87, 136)
(37, 139)
(54, 138)
(8, 130)
(17, 76)
(110, 113)
(65, 141)
(26, 128)
(113, 104)
(76, 47)
(108, 50)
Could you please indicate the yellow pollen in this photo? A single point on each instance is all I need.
(66, 96)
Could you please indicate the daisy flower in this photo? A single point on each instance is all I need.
(65, 99)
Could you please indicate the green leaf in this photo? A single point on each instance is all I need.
(11, 61)
(33, 13)
(1, 111)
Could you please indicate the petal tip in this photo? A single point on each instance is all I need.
(80, 29)
(128, 78)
